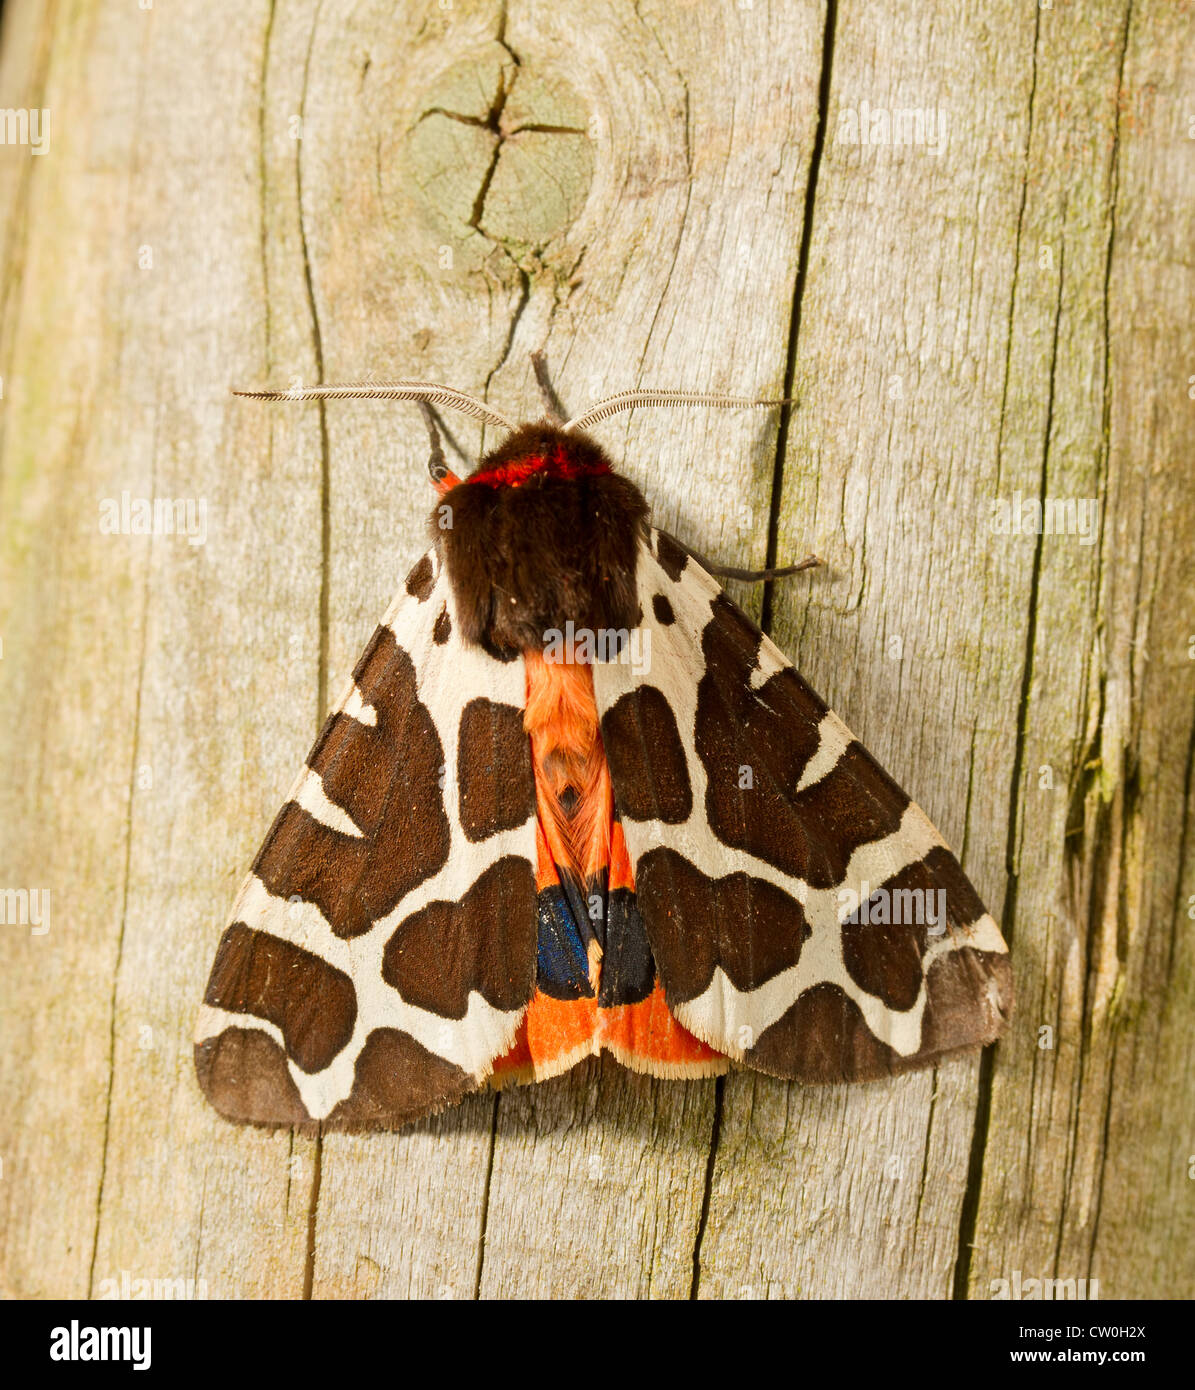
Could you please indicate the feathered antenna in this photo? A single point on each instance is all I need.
(627, 400)
(428, 391)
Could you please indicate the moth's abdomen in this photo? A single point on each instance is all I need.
(596, 978)
(572, 779)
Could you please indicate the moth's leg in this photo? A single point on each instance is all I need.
(553, 410)
(758, 576)
(748, 576)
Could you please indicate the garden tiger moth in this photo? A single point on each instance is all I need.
(516, 844)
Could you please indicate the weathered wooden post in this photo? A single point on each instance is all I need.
(964, 244)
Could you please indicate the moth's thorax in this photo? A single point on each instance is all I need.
(543, 533)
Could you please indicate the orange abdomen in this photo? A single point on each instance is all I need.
(587, 909)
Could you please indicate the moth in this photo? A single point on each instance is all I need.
(574, 801)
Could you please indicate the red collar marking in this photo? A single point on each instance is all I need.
(557, 464)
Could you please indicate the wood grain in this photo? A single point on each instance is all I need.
(661, 194)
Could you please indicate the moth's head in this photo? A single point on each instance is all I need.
(539, 456)
(543, 531)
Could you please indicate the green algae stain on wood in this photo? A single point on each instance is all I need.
(502, 150)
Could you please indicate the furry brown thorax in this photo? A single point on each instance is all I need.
(542, 533)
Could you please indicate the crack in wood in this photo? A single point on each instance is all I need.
(325, 588)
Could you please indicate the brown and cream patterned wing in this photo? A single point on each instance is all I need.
(382, 950)
(805, 916)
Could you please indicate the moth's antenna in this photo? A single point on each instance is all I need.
(627, 400)
(552, 407)
(429, 391)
